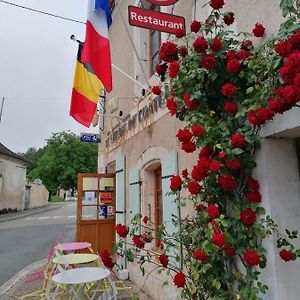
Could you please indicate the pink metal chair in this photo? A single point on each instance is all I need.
(40, 275)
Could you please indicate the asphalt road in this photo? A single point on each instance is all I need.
(26, 240)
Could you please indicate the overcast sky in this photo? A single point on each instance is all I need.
(37, 61)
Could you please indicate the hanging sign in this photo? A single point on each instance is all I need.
(162, 2)
(154, 20)
(90, 137)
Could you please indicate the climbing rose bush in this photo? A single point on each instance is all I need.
(225, 90)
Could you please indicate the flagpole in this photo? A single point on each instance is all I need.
(132, 44)
(1, 111)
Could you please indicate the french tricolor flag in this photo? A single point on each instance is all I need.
(96, 50)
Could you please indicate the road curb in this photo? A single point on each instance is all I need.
(29, 213)
(4, 288)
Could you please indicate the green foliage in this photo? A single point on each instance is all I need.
(33, 155)
(62, 159)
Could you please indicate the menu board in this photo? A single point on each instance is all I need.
(105, 197)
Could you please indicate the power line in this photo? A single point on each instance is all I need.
(42, 12)
(36, 98)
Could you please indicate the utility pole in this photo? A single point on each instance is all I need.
(1, 111)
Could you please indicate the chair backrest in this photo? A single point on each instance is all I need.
(40, 274)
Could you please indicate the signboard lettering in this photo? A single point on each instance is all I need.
(90, 138)
(150, 19)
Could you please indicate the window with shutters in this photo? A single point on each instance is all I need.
(158, 202)
(155, 41)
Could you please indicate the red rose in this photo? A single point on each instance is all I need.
(164, 260)
(254, 196)
(184, 135)
(205, 151)
(246, 44)
(176, 183)
(228, 89)
(237, 140)
(288, 93)
(183, 51)
(214, 166)
(251, 258)
(243, 54)
(168, 51)
(231, 108)
(230, 54)
(200, 44)
(283, 48)
(203, 163)
(179, 280)
(188, 102)
(121, 230)
(195, 26)
(294, 40)
(229, 250)
(188, 147)
(156, 90)
(198, 173)
(286, 255)
(233, 164)
(228, 18)
(161, 69)
(213, 211)
(258, 30)
(216, 45)
(252, 184)
(199, 255)
(172, 106)
(194, 187)
(233, 66)
(217, 4)
(227, 183)
(221, 155)
(248, 216)
(145, 219)
(185, 173)
(174, 67)
(138, 242)
(147, 238)
(180, 33)
(209, 62)
(197, 130)
(218, 239)
(106, 259)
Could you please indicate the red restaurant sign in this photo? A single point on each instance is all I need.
(150, 19)
(162, 2)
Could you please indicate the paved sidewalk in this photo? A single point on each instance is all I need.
(20, 284)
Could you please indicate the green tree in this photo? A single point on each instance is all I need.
(33, 155)
(63, 157)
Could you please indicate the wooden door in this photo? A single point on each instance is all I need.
(96, 210)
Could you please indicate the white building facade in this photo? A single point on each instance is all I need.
(141, 145)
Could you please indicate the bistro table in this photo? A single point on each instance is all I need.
(77, 279)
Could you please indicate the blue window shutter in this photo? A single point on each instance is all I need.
(134, 192)
(170, 206)
(169, 167)
(120, 189)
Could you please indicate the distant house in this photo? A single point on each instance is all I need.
(12, 179)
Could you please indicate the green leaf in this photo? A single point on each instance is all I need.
(134, 296)
(250, 90)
